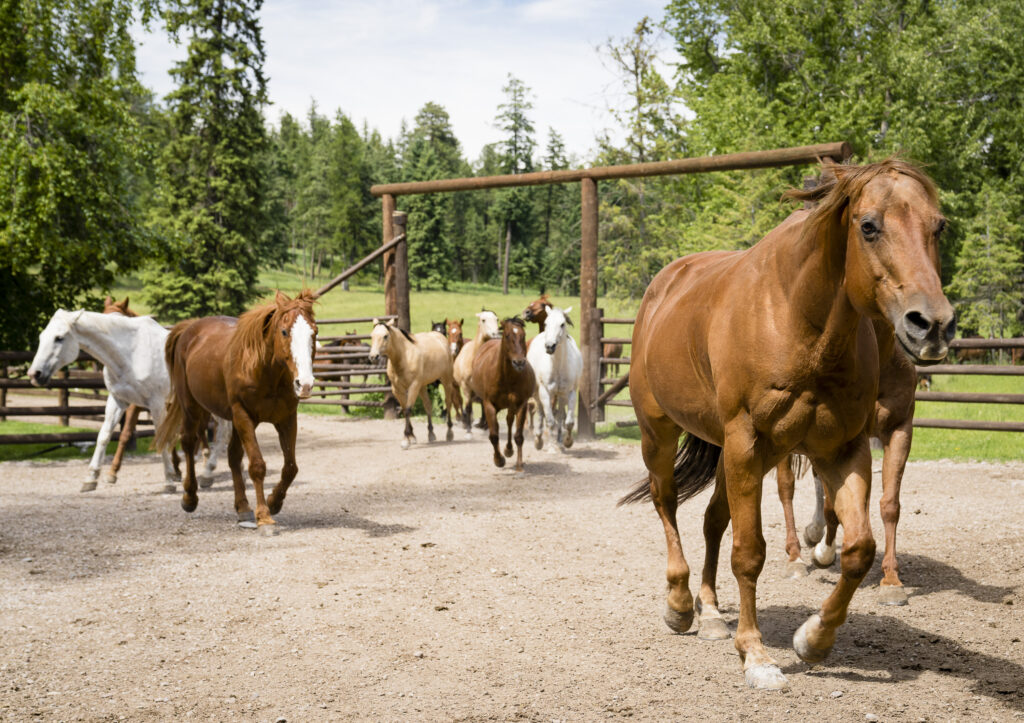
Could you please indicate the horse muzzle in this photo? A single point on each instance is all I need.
(925, 336)
(550, 348)
(302, 391)
(38, 379)
(519, 364)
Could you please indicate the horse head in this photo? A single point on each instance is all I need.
(117, 307)
(58, 346)
(556, 328)
(889, 215)
(282, 332)
(454, 335)
(536, 312)
(438, 326)
(513, 342)
(488, 321)
(379, 339)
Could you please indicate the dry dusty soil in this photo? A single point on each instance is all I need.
(429, 585)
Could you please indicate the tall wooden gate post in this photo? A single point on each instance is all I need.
(387, 234)
(590, 318)
(398, 220)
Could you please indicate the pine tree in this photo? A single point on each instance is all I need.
(214, 189)
(516, 204)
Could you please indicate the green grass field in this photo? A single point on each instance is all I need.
(9, 452)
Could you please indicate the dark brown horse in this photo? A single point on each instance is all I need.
(803, 299)
(503, 379)
(892, 423)
(250, 370)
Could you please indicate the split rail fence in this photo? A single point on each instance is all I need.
(611, 384)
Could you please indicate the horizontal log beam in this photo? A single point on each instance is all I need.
(973, 369)
(51, 411)
(616, 340)
(726, 162)
(345, 403)
(357, 319)
(53, 384)
(1014, 343)
(968, 424)
(610, 320)
(973, 397)
(614, 360)
(67, 437)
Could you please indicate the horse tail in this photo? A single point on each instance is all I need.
(170, 428)
(696, 465)
(169, 431)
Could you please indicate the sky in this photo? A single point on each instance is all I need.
(380, 61)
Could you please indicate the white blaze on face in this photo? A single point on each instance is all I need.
(554, 328)
(452, 345)
(301, 336)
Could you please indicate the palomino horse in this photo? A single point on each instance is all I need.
(131, 351)
(803, 297)
(558, 364)
(250, 370)
(892, 423)
(503, 379)
(486, 328)
(414, 362)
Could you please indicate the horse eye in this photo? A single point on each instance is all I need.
(868, 228)
(942, 226)
(284, 332)
(59, 339)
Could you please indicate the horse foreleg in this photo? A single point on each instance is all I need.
(894, 462)
(816, 527)
(509, 418)
(849, 487)
(286, 434)
(825, 550)
(710, 625)
(543, 403)
(786, 480)
(242, 509)
(111, 416)
(659, 440)
(409, 399)
(428, 408)
(570, 418)
(520, 423)
(189, 440)
(221, 435)
(744, 473)
(491, 414)
(449, 392)
(245, 428)
(131, 418)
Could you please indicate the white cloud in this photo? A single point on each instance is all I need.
(380, 61)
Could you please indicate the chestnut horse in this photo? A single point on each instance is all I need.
(414, 361)
(503, 379)
(804, 298)
(250, 370)
(462, 369)
(453, 333)
(892, 423)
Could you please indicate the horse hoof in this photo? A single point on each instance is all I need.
(538, 442)
(712, 629)
(246, 516)
(88, 486)
(802, 645)
(110, 478)
(268, 530)
(450, 436)
(405, 444)
(508, 451)
(892, 595)
(568, 441)
(678, 622)
(189, 505)
(206, 481)
(765, 677)
(824, 555)
(796, 569)
(247, 524)
(468, 435)
(170, 488)
(274, 504)
(813, 534)
(431, 437)
(499, 461)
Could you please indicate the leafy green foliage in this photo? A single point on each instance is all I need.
(70, 158)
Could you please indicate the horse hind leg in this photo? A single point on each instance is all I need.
(221, 435)
(795, 567)
(570, 418)
(131, 418)
(710, 625)
(815, 529)
(427, 407)
(825, 550)
(449, 391)
(189, 441)
(493, 432)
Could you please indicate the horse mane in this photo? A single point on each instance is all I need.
(249, 343)
(841, 183)
(514, 320)
(396, 327)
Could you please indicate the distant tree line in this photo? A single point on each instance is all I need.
(201, 191)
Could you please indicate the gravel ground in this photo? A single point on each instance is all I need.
(429, 585)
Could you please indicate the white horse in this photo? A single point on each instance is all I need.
(131, 350)
(558, 364)
(487, 327)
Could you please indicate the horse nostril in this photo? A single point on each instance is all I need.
(950, 331)
(917, 321)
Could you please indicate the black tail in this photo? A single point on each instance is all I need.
(696, 463)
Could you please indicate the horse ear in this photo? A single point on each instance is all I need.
(125, 303)
(376, 321)
(281, 298)
(462, 321)
(109, 301)
(566, 310)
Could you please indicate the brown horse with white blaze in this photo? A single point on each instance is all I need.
(504, 379)
(250, 370)
(804, 297)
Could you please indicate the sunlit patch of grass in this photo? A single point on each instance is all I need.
(54, 450)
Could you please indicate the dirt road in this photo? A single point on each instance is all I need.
(429, 585)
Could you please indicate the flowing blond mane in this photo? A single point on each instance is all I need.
(840, 184)
(251, 343)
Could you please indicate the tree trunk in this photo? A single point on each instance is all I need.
(508, 252)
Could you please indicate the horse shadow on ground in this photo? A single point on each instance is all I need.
(301, 520)
(880, 645)
(928, 575)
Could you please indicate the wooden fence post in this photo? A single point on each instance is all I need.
(601, 367)
(3, 390)
(387, 234)
(398, 223)
(64, 397)
(589, 315)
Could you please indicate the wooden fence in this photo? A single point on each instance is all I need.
(343, 357)
(612, 384)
